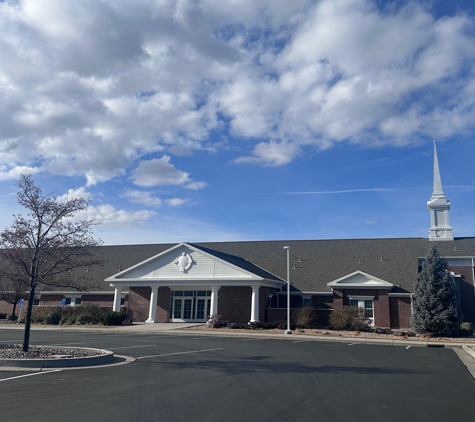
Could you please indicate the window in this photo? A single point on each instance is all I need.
(68, 301)
(307, 301)
(367, 304)
(122, 301)
(36, 302)
(77, 301)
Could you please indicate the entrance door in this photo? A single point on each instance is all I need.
(202, 308)
(182, 309)
(190, 305)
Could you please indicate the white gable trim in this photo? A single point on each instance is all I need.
(247, 278)
(371, 283)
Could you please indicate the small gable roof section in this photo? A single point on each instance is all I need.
(188, 265)
(359, 280)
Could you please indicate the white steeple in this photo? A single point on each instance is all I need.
(439, 208)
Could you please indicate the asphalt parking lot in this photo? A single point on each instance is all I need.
(180, 378)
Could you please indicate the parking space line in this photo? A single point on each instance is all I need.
(130, 347)
(179, 353)
(29, 375)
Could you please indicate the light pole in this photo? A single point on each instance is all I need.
(288, 331)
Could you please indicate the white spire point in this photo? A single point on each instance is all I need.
(437, 191)
(439, 207)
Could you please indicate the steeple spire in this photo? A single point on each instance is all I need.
(437, 192)
(439, 207)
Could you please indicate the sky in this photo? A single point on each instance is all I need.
(239, 120)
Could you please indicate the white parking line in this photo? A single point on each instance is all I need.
(179, 353)
(408, 347)
(130, 347)
(29, 375)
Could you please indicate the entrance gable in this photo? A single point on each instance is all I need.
(183, 262)
(359, 280)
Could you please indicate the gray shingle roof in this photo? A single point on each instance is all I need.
(317, 262)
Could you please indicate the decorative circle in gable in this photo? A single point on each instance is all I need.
(183, 262)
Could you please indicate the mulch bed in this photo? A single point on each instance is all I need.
(15, 351)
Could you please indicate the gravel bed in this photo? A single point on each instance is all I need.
(15, 351)
(356, 334)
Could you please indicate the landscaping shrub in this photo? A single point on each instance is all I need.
(114, 318)
(466, 329)
(304, 317)
(89, 314)
(350, 318)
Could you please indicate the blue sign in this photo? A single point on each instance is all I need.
(22, 302)
(63, 302)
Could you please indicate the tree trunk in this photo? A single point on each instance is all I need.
(26, 337)
(14, 310)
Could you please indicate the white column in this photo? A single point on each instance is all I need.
(255, 304)
(117, 297)
(214, 300)
(152, 313)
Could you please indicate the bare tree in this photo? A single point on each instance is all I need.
(11, 291)
(48, 244)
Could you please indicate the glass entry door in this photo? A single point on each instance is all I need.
(190, 306)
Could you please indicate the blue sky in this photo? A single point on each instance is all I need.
(241, 120)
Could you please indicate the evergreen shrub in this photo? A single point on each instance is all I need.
(434, 303)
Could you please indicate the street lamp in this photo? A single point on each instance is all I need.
(288, 331)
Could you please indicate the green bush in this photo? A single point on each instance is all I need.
(304, 317)
(466, 329)
(114, 318)
(350, 318)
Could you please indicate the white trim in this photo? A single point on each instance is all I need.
(378, 283)
(248, 276)
(361, 298)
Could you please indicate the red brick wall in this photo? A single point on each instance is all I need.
(263, 302)
(98, 300)
(400, 308)
(139, 303)
(235, 303)
(163, 304)
(380, 303)
(467, 299)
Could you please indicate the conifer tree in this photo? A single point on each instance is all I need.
(434, 304)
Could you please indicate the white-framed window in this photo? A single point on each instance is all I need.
(365, 302)
(36, 302)
(306, 300)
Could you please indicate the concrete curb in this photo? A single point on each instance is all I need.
(106, 357)
(148, 330)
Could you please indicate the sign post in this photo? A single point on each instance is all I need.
(22, 302)
(63, 302)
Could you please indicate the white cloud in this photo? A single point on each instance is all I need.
(79, 193)
(89, 88)
(176, 202)
(142, 197)
(15, 172)
(159, 171)
(110, 216)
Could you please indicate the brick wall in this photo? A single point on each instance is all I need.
(400, 308)
(163, 304)
(139, 303)
(104, 301)
(467, 296)
(380, 303)
(235, 303)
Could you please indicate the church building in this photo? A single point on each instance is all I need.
(247, 281)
